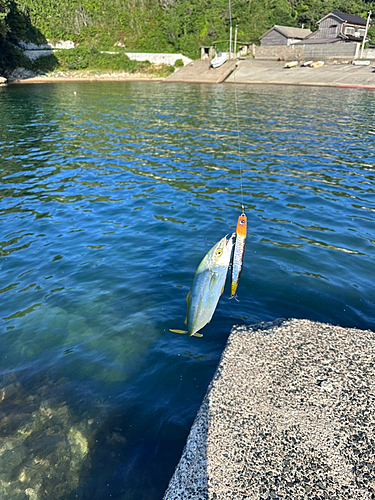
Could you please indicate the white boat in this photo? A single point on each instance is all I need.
(307, 63)
(219, 60)
(361, 62)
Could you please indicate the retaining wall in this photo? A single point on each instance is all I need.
(158, 58)
(313, 51)
(369, 54)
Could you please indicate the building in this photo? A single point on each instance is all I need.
(283, 35)
(338, 27)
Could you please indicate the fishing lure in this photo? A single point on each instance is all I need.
(239, 252)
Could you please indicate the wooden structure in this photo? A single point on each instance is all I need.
(208, 52)
(338, 27)
(283, 35)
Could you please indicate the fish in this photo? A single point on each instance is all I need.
(207, 287)
(239, 252)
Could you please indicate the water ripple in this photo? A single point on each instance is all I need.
(110, 196)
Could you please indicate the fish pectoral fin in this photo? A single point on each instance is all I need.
(183, 332)
(213, 280)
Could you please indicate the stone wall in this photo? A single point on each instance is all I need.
(158, 58)
(369, 54)
(331, 50)
(35, 54)
(313, 51)
(274, 52)
(62, 44)
(33, 51)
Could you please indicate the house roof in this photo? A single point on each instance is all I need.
(349, 18)
(310, 41)
(289, 32)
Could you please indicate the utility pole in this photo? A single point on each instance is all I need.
(366, 30)
(235, 41)
(230, 42)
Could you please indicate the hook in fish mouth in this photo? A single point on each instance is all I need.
(231, 237)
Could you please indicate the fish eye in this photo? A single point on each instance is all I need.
(242, 222)
(219, 252)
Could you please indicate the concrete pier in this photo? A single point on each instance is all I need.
(201, 72)
(330, 75)
(264, 71)
(289, 414)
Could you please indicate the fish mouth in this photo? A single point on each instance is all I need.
(229, 240)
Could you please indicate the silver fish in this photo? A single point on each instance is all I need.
(208, 285)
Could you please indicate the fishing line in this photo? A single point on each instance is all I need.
(241, 228)
(236, 107)
(238, 139)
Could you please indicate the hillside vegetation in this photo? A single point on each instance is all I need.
(160, 25)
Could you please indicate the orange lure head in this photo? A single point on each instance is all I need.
(241, 225)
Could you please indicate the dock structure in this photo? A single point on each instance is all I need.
(289, 414)
(201, 72)
(256, 71)
(330, 75)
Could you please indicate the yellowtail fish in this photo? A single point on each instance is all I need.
(208, 285)
(239, 252)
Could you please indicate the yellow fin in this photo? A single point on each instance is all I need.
(196, 334)
(178, 331)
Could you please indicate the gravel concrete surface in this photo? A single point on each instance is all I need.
(201, 72)
(329, 75)
(289, 414)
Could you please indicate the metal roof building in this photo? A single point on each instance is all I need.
(283, 35)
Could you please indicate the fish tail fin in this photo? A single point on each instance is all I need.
(183, 332)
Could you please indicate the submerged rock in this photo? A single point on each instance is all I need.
(43, 444)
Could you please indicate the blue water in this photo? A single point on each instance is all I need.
(111, 194)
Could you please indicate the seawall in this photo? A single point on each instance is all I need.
(289, 414)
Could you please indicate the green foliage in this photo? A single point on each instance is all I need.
(179, 63)
(45, 63)
(84, 57)
(4, 11)
(153, 25)
(11, 57)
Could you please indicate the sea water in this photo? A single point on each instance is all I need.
(111, 194)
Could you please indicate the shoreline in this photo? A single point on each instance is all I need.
(250, 71)
(89, 78)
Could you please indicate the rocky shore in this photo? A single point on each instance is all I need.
(289, 414)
